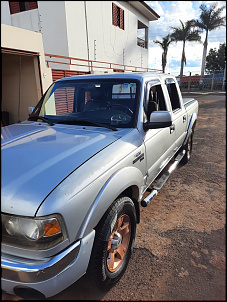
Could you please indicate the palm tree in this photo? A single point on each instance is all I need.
(184, 33)
(210, 19)
(164, 45)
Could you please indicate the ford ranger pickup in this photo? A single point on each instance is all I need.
(74, 177)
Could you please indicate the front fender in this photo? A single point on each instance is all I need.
(114, 186)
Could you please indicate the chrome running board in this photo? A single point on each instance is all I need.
(162, 180)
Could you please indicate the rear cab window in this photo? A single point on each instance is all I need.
(173, 94)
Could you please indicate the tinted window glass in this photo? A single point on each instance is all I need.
(173, 95)
(156, 100)
(112, 102)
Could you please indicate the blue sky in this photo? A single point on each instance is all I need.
(170, 13)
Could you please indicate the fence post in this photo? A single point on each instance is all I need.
(212, 83)
(189, 81)
(224, 79)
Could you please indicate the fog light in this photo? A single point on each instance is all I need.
(28, 293)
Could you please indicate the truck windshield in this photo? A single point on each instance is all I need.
(105, 102)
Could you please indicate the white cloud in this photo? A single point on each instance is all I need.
(156, 6)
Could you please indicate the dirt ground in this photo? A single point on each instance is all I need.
(180, 247)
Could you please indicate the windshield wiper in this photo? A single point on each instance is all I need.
(44, 119)
(84, 122)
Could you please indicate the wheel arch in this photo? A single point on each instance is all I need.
(127, 181)
(133, 193)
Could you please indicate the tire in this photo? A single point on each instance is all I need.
(188, 149)
(113, 245)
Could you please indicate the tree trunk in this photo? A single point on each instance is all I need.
(182, 64)
(203, 60)
(163, 67)
(163, 62)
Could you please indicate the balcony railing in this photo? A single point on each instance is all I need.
(90, 65)
(141, 43)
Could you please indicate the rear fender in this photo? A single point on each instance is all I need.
(114, 187)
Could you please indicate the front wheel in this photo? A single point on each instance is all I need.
(114, 239)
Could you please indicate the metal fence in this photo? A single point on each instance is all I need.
(91, 66)
(210, 82)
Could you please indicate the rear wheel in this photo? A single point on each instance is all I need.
(113, 245)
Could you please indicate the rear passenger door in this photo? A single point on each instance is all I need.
(178, 113)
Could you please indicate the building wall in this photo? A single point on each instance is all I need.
(5, 14)
(53, 27)
(106, 42)
(76, 29)
(27, 20)
(63, 28)
(134, 54)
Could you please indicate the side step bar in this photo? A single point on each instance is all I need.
(162, 180)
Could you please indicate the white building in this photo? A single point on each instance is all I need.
(106, 31)
(91, 36)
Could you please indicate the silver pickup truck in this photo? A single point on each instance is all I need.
(74, 176)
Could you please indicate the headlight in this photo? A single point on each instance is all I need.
(32, 233)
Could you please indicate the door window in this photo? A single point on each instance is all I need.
(173, 95)
(156, 100)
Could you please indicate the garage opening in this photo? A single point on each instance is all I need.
(21, 84)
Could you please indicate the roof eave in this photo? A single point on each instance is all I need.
(145, 9)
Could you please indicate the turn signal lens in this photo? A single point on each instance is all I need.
(51, 228)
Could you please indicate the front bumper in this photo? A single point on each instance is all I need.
(51, 276)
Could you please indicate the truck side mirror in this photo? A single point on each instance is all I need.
(158, 119)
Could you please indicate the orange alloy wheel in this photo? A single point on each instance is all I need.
(118, 243)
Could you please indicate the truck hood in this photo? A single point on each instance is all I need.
(37, 157)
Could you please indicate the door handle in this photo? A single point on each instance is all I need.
(184, 118)
(172, 129)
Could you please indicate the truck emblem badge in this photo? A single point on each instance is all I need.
(139, 157)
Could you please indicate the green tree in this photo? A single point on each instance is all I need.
(184, 33)
(164, 45)
(210, 19)
(215, 59)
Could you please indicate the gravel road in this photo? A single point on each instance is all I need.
(179, 252)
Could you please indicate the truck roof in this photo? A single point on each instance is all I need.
(120, 75)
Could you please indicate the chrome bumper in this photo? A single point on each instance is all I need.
(53, 275)
(29, 271)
